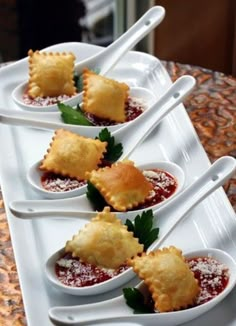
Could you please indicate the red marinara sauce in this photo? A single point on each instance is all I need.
(212, 277)
(71, 272)
(164, 186)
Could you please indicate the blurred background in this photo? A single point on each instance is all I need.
(198, 32)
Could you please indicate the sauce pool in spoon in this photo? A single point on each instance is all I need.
(164, 185)
(212, 275)
(72, 272)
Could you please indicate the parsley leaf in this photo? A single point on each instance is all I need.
(72, 116)
(95, 197)
(114, 151)
(142, 227)
(135, 300)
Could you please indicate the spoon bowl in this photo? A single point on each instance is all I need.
(81, 206)
(19, 91)
(35, 175)
(103, 61)
(53, 120)
(130, 135)
(169, 215)
(116, 309)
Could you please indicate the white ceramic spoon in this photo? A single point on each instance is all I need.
(169, 215)
(116, 309)
(129, 135)
(81, 206)
(53, 120)
(103, 61)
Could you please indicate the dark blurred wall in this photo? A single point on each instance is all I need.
(35, 24)
(9, 38)
(46, 22)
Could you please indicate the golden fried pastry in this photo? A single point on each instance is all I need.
(103, 97)
(104, 242)
(123, 186)
(51, 74)
(168, 278)
(73, 155)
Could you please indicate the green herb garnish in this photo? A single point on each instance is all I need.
(114, 151)
(95, 197)
(142, 227)
(136, 300)
(72, 116)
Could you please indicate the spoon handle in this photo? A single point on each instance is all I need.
(59, 208)
(46, 120)
(107, 59)
(141, 127)
(175, 210)
(97, 313)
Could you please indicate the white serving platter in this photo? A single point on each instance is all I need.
(211, 224)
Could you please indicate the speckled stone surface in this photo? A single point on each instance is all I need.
(212, 109)
(11, 305)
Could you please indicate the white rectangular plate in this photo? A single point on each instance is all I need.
(211, 224)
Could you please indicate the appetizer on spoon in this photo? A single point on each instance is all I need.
(103, 61)
(121, 142)
(84, 120)
(169, 216)
(134, 189)
(117, 310)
